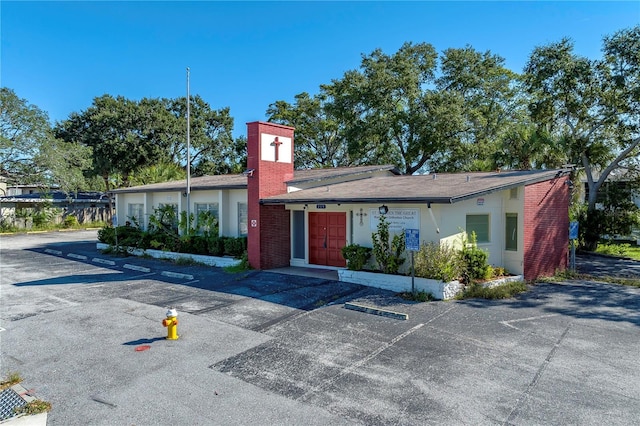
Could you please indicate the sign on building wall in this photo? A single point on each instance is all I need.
(399, 219)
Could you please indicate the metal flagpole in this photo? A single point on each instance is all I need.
(188, 155)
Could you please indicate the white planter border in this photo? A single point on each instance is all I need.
(399, 283)
(220, 262)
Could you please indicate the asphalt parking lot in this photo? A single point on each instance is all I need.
(266, 348)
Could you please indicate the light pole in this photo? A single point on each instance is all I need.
(188, 156)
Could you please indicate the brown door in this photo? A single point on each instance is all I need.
(327, 236)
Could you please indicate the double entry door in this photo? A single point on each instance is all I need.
(327, 236)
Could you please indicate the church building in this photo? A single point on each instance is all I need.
(304, 217)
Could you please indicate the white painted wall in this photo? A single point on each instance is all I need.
(227, 204)
(450, 220)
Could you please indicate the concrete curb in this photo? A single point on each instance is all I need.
(176, 275)
(136, 268)
(103, 261)
(125, 266)
(77, 256)
(376, 311)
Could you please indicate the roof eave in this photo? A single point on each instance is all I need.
(376, 200)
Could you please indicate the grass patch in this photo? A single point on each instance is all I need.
(504, 291)
(12, 379)
(187, 261)
(619, 249)
(236, 269)
(36, 406)
(240, 267)
(418, 296)
(65, 226)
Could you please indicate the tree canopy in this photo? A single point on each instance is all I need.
(30, 154)
(413, 109)
(591, 106)
(128, 137)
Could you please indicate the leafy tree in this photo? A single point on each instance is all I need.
(490, 102)
(157, 173)
(63, 164)
(593, 104)
(525, 147)
(393, 109)
(344, 103)
(112, 127)
(23, 129)
(30, 154)
(319, 136)
(211, 141)
(234, 161)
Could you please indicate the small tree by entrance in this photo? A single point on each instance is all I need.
(388, 250)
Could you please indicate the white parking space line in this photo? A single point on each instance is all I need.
(510, 322)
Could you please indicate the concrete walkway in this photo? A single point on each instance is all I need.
(328, 274)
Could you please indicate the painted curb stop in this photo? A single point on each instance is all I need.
(376, 311)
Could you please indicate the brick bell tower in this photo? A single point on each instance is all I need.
(270, 162)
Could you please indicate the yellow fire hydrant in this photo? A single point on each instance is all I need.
(171, 322)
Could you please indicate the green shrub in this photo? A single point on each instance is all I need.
(356, 256)
(475, 261)
(215, 246)
(107, 235)
(438, 262)
(386, 249)
(70, 222)
(489, 272)
(41, 218)
(130, 236)
(235, 246)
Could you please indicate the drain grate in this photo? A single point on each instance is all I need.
(9, 399)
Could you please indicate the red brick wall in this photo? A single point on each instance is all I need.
(546, 228)
(275, 236)
(268, 179)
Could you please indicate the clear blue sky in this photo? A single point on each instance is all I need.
(247, 55)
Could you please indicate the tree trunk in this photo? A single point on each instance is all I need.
(592, 229)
